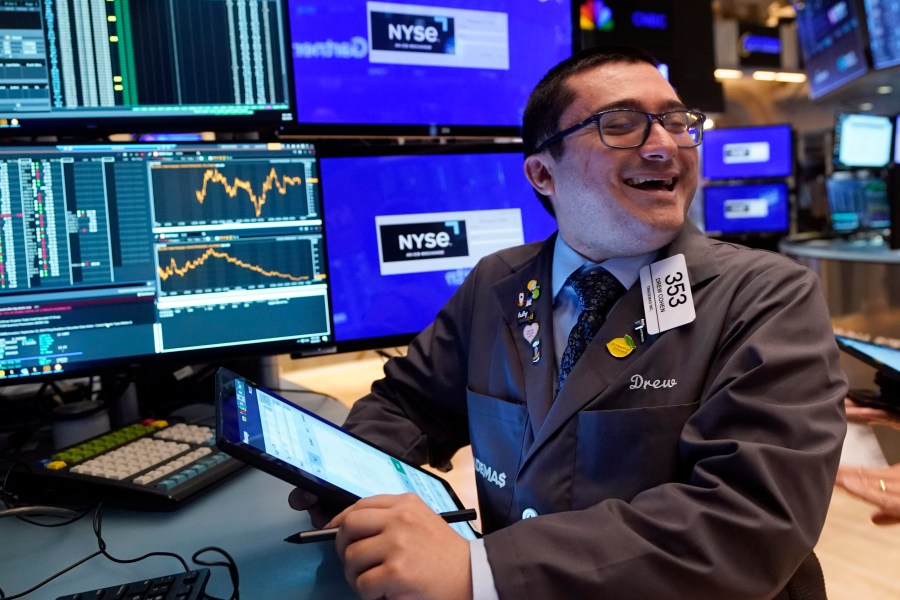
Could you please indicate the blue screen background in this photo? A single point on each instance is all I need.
(356, 189)
(355, 91)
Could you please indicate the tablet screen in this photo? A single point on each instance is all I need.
(283, 431)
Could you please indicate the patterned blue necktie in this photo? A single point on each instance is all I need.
(597, 291)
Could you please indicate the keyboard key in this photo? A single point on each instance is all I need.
(188, 585)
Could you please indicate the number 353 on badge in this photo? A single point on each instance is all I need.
(667, 294)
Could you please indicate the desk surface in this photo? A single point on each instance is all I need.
(248, 517)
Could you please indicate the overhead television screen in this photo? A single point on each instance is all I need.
(424, 67)
(882, 17)
(748, 152)
(832, 41)
(400, 244)
(862, 140)
(897, 140)
(760, 208)
(143, 65)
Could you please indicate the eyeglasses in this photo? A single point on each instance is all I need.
(626, 128)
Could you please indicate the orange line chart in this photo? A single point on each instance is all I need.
(172, 269)
(273, 181)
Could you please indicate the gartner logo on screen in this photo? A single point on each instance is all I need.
(408, 34)
(745, 152)
(419, 243)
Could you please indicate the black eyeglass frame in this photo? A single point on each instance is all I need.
(651, 117)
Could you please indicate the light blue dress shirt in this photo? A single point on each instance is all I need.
(565, 313)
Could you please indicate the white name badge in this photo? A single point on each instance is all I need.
(667, 294)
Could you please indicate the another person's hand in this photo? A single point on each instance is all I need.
(319, 512)
(881, 487)
(866, 414)
(396, 547)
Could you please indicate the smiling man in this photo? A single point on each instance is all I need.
(654, 414)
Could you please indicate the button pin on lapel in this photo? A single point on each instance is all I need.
(639, 327)
(621, 346)
(525, 318)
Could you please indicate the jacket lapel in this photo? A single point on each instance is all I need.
(598, 368)
(537, 363)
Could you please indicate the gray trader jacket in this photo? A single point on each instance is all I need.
(699, 466)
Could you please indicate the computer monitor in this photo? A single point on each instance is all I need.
(862, 140)
(422, 67)
(119, 256)
(765, 151)
(858, 204)
(72, 67)
(897, 140)
(747, 209)
(407, 223)
(882, 17)
(832, 42)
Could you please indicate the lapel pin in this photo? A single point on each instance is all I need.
(639, 327)
(621, 346)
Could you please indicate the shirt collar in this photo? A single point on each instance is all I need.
(624, 268)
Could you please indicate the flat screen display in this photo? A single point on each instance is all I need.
(832, 41)
(746, 209)
(897, 140)
(857, 204)
(882, 18)
(423, 67)
(71, 66)
(884, 358)
(118, 255)
(748, 152)
(279, 437)
(862, 140)
(406, 225)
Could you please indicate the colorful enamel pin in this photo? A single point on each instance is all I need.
(621, 346)
(525, 318)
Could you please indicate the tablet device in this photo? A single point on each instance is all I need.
(886, 361)
(271, 433)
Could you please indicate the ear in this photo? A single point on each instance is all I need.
(537, 170)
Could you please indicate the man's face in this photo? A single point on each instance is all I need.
(615, 202)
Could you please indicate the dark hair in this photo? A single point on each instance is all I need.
(552, 96)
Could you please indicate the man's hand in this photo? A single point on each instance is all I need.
(881, 487)
(396, 547)
(865, 414)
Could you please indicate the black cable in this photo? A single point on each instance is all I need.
(49, 511)
(97, 526)
(55, 575)
(230, 565)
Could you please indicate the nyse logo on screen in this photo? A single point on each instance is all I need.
(412, 33)
(417, 241)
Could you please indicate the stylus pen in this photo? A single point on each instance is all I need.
(320, 535)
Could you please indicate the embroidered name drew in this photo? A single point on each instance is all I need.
(498, 479)
(639, 383)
